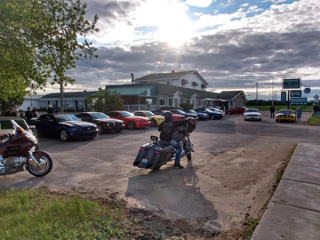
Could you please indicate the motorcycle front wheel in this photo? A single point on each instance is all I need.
(44, 167)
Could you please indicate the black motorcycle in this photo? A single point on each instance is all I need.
(156, 153)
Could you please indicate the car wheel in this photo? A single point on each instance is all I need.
(64, 135)
(131, 125)
(100, 129)
(153, 123)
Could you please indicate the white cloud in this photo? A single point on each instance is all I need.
(199, 3)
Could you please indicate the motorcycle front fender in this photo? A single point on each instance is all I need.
(39, 153)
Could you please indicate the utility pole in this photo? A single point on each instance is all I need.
(257, 94)
(272, 89)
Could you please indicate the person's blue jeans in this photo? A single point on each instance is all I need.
(178, 148)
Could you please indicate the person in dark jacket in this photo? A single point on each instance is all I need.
(50, 109)
(10, 113)
(272, 110)
(167, 131)
(28, 115)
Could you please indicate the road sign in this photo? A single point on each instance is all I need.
(283, 96)
(291, 83)
(295, 93)
(298, 101)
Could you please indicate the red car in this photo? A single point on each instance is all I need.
(236, 110)
(129, 119)
(175, 116)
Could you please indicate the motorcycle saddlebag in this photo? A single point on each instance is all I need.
(145, 155)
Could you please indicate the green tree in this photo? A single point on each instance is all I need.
(39, 39)
(104, 101)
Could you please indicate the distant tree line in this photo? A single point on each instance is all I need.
(262, 102)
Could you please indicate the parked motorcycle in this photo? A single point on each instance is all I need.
(18, 153)
(157, 153)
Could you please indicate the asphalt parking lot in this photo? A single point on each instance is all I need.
(230, 176)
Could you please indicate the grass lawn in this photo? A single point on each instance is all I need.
(314, 120)
(305, 108)
(37, 214)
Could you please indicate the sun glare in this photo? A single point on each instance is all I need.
(175, 31)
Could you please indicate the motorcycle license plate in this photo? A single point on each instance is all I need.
(144, 160)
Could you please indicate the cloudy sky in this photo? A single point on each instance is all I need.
(233, 44)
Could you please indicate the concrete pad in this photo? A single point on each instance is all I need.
(302, 173)
(303, 195)
(308, 149)
(281, 222)
(305, 160)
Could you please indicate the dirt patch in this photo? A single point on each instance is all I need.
(212, 198)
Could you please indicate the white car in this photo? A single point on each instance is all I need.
(252, 114)
(6, 126)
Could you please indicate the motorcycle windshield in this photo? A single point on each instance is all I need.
(17, 126)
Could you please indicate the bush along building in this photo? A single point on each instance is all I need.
(155, 91)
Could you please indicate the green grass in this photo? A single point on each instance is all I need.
(314, 120)
(35, 214)
(305, 108)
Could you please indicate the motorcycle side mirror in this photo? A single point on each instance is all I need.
(154, 138)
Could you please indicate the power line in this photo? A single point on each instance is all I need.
(101, 68)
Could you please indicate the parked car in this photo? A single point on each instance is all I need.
(216, 110)
(286, 115)
(236, 110)
(7, 127)
(201, 116)
(212, 114)
(181, 112)
(65, 127)
(103, 121)
(175, 116)
(155, 120)
(129, 119)
(252, 114)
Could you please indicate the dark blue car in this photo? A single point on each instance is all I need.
(201, 116)
(212, 114)
(65, 127)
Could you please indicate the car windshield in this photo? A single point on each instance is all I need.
(181, 112)
(252, 110)
(126, 114)
(6, 124)
(288, 112)
(98, 115)
(65, 118)
(192, 111)
(209, 110)
(149, 113)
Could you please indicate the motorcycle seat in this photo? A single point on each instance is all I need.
(164, 143)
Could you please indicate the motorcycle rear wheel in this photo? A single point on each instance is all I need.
(46, 166)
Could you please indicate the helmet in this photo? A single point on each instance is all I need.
(168, 115)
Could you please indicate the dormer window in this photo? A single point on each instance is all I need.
(203, 86)
(195, 84)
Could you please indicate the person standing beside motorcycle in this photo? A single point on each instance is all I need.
(168, 133)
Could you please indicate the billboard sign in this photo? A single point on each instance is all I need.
(283, 96)
(291, 83)
(298, 101)
(295, 93)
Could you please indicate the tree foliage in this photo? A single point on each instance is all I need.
(104, 101)
(40, 39)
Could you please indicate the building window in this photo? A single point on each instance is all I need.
(168, 83)
(184, 82)
(195, 84)
(162, 102)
